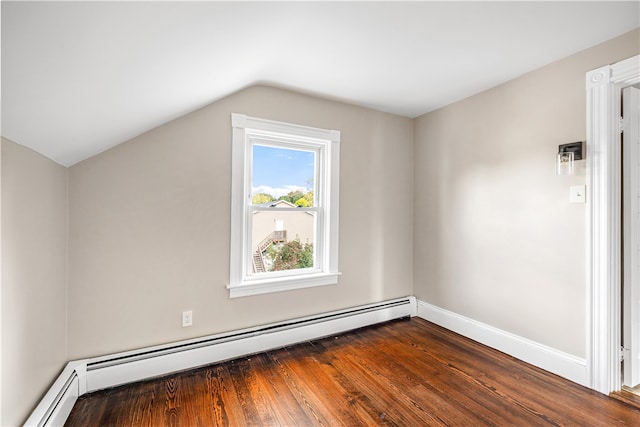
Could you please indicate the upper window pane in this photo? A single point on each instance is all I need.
(283, 174)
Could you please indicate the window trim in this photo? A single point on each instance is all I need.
(244, 128)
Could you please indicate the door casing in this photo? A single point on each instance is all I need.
(604, 94)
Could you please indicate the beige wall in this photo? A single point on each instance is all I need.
(150, 228)
(34, 260)
(495, 238)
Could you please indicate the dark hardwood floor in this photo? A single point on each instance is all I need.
(402, 373)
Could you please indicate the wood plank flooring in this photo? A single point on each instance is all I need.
(402, 373)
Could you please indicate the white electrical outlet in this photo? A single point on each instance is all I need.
(577, 194)
(187, 318)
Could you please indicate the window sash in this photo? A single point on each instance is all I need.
(248, 132)
(318, 244)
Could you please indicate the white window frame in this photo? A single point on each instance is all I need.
(326, 143)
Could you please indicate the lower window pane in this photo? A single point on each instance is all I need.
(282, 240)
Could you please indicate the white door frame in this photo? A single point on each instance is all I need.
(630, 232)
(604, 94)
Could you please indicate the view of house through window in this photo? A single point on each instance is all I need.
(283, 221)
(284, 206)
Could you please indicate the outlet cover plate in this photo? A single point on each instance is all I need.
(187, 318)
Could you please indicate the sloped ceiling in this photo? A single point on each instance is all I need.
(81, 77)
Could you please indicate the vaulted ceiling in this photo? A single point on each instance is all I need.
(81, 77)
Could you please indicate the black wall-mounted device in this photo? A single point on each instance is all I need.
(575, 147)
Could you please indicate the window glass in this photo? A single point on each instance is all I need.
(282, 174)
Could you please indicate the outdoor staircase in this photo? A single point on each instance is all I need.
(258, 258)
(258, 262)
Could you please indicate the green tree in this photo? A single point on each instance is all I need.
(292, 196)
(299, 198)
(292, 255)
(306, 201)
(303, 202)
(260, 198)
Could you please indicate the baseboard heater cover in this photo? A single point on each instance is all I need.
(90, 375)
(135, 366)
(57, 403)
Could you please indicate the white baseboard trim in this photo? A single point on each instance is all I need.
(83, 376)
(56, 405)
(565, 365)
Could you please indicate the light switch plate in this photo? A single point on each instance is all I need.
(577, 194)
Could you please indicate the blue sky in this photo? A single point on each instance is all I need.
(277, 171)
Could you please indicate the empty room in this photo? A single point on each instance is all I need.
(320, 213)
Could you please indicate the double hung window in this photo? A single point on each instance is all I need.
(284, 207)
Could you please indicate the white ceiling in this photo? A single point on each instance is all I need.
(81, 77)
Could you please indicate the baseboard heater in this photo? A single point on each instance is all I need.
(56, 405)
(117, 369)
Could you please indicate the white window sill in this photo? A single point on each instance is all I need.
(264, 286)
